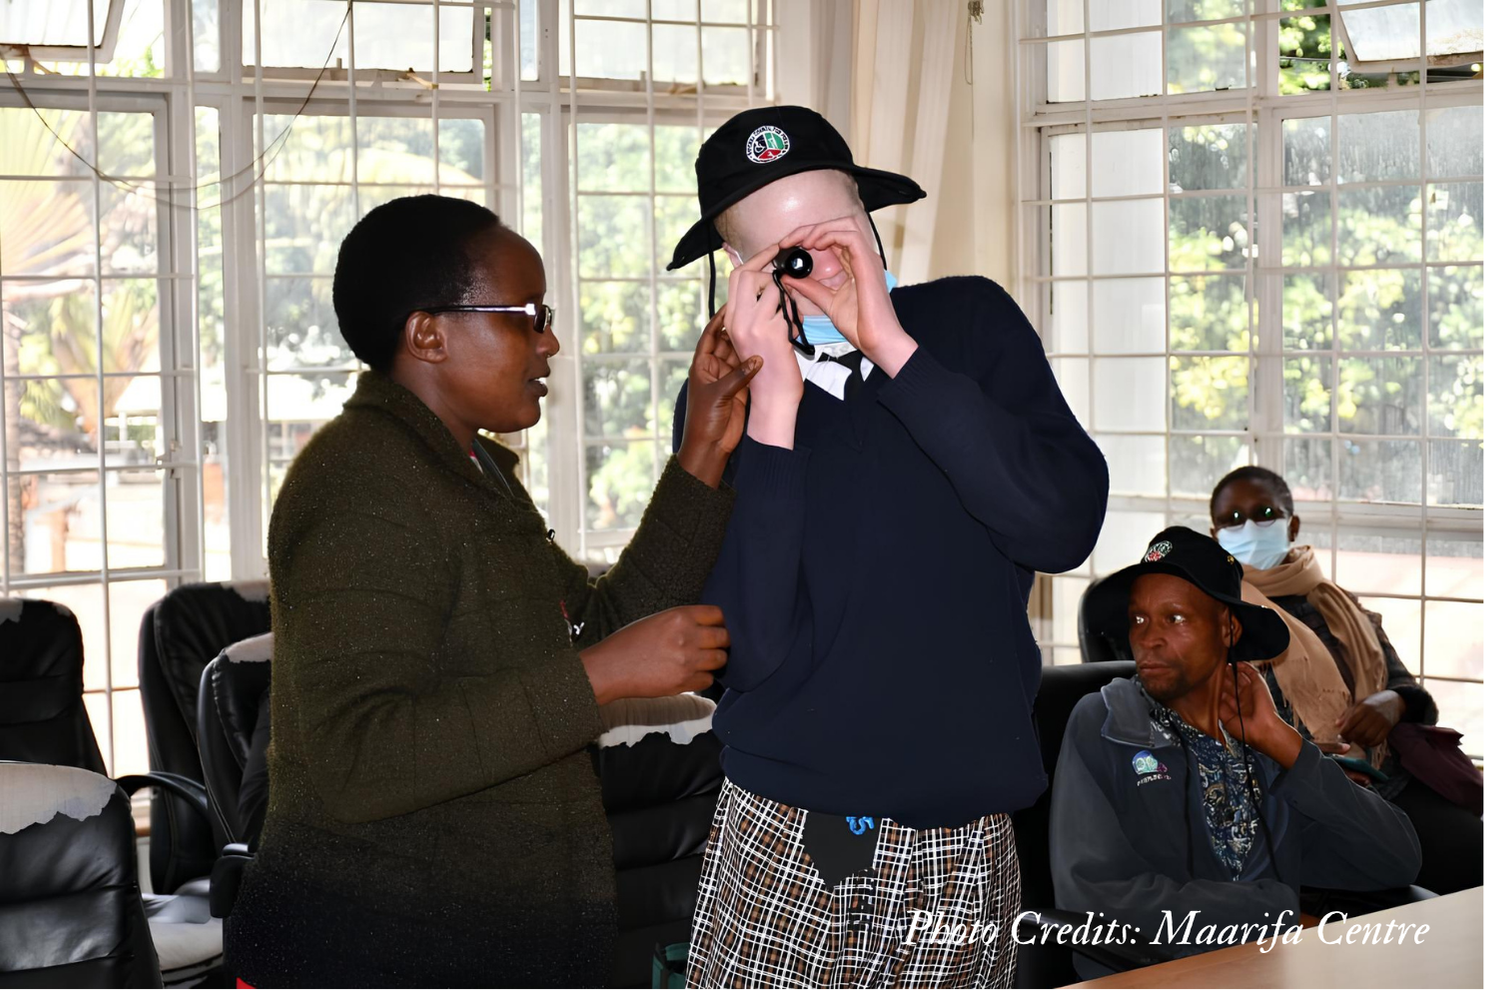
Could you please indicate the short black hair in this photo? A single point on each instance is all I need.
(406, 254)
(1255, 473)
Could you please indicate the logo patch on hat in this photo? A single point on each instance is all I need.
(767, 144)
(1157, 551)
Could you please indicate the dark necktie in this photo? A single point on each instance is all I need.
(856, 377)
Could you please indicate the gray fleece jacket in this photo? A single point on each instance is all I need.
(1130, 839)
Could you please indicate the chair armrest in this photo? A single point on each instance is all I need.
(224, 881)
(187, 789)
(1115, 956)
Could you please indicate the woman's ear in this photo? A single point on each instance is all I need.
(1293, 527)
(423, 339)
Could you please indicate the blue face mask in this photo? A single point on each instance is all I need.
(820, 329)
(1258, 546)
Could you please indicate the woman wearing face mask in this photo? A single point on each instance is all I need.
(1341, 680)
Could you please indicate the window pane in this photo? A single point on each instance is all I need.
(1384, 34)
(305, 226)
(616, 398)
(1208, 156)
(302, 330)
(1306, 143)
(1455, 26)
(612, 157)
(676, 150)
(1306, 312)
(1305, 44)
(1124, 538)
(674, 215)
(1067, 162)
(621, 480)
(1380, 395)
(1137, 465)
(1455, 301)
(1209, 313)
(1065, 17)
(301, 33)
(1461, 706)
(1306, 229)
(726, 57)
(1066, 323)
(679, 320)
(1455, 473)
(46, 227)
(1210, 393)
(1455, 398)
(1381, 471)
(1128, 237)
(1064, 70)
(1199, 462)
(1110, 15)
(1381, 310)
(1209, 232)
(1072, 376)
(1206, 58)
(1380, 225)
(1307, 389)
(1454, 640)
(1129, 315)
(1455, 141)
(1374, 561)
(614, 316)
(612, 236)
(1125, 65)
(1069, 226)
(1455, 567)
(1455, 222)
(54, 522)
(1130, 392)
(1127, 162)
(671, 373)
(606, 49)
(1378, 146)
(1203, 10)
(1307, 466)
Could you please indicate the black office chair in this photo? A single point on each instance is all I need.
(658, 765)
(43, 721)
(1049, 965)
(180, 634)
(1097, 639)
(71, 915)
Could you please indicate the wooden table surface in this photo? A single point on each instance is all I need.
(1451, 955)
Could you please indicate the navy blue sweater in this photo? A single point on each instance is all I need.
(874, 579)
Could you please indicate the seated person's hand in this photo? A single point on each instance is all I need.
(1339, 749)
(1252, 718)
(1368, 723)
(670, 652)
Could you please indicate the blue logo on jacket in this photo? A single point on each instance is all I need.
(1145, 762)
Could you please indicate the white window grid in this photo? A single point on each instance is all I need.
(514, 109)
(1262, 110)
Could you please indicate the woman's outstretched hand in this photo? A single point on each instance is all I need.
(716, 397)
(673, 651)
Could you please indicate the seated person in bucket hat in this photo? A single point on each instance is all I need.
(896, 490)
(1183, 806)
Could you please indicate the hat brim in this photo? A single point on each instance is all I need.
(1263, 634)
(877, 189)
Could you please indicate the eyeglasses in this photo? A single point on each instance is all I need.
(1261, 516)
(541, 316)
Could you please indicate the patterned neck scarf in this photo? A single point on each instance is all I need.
(1226, 794)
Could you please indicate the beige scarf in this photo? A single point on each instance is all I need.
(1308, 675)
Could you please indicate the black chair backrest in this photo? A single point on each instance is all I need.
(180, 634)
(231, 709)
(1097, 639)
(1061, 688)
(42, 716)
(659, 770)
(71, 915)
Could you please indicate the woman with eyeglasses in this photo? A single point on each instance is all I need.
(1343, 684)
(434, 816)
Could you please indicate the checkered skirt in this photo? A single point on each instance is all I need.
(765, 918)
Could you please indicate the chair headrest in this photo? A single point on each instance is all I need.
(39, 639)
(680, 717)
(193, 623)
(38, 793)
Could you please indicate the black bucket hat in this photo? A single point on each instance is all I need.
(1196, 558)
(755, 148)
